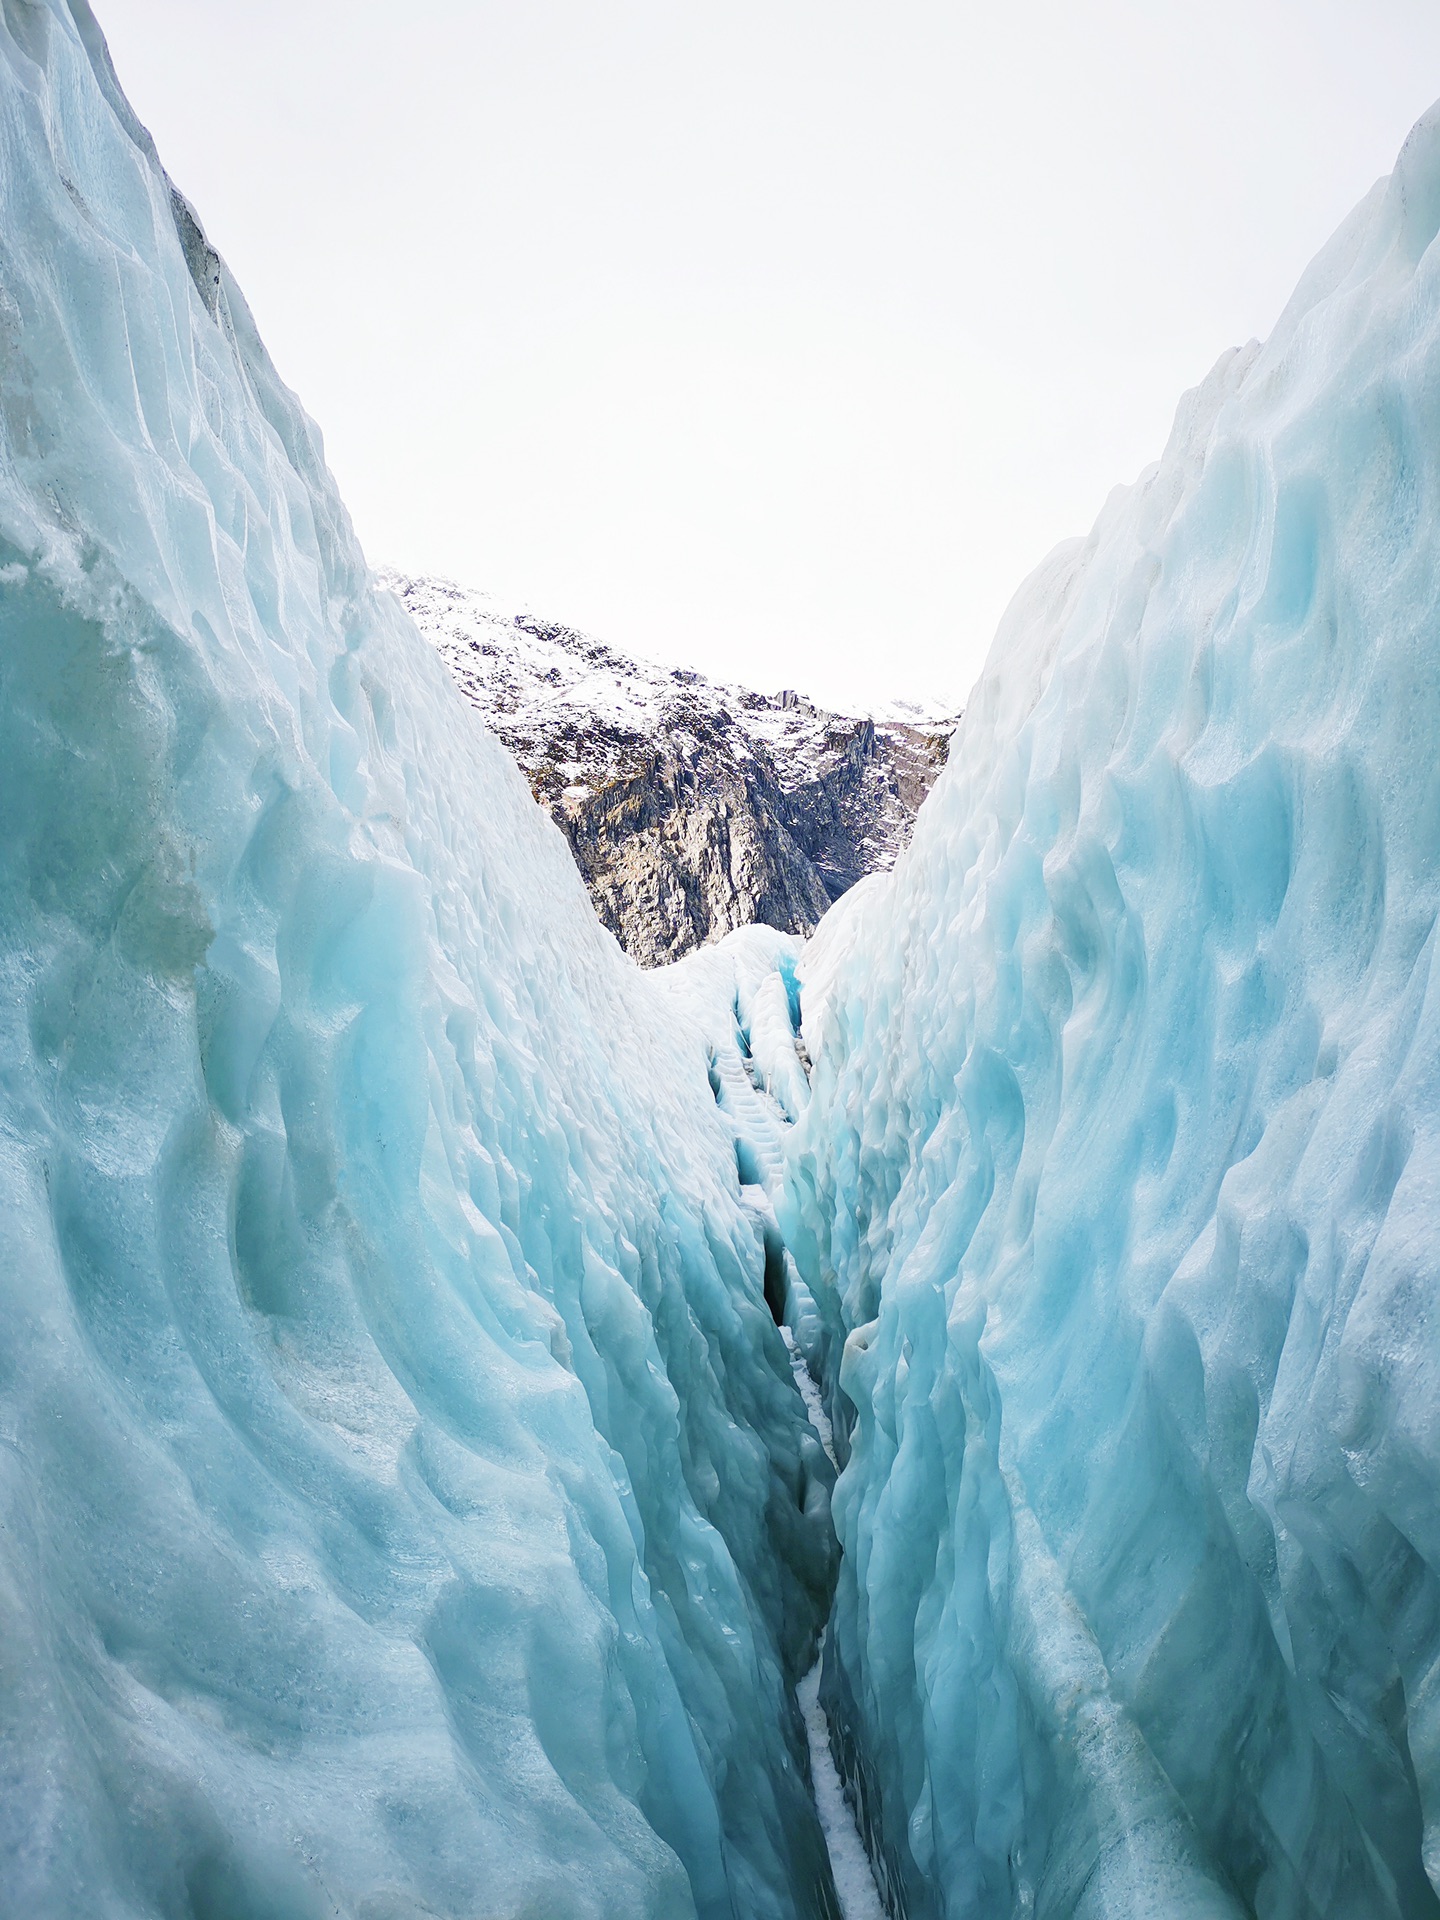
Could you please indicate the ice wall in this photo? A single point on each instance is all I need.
(404, 1494)
(1121, 1178)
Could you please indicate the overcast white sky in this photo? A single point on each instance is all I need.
(779, 337)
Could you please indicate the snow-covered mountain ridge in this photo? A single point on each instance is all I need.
(691, 807)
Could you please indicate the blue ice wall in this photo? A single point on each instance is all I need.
(404, 1499)
(1120, 1179)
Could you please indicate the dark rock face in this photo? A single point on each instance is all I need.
(684, 849)
(691, 808)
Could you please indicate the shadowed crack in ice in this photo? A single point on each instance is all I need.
(849, 1861)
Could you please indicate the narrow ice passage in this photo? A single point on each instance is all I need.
(405, 1500)
(849, 1862)
(811, 1395)
(742, 993)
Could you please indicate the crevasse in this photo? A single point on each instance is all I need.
(743, 995)
(406, 1505)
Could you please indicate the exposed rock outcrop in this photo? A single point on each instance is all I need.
(691, 807)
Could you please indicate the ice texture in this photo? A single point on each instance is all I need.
(854, 1881)
(855, 1887)
(406, 1507)
(1120, 1180)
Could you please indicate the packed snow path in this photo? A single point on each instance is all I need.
(854, 1881)
(849, 1862)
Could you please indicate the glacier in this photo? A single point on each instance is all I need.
(406, 1504)
(1118, 1184)
(454, 1385)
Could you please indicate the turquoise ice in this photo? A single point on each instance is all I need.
(1120, 1179)
(407, 1507)
(405, 1504)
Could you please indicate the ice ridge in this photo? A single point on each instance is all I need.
(407, 1509)
(1118, 1184)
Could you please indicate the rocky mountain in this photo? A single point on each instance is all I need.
(690, 807)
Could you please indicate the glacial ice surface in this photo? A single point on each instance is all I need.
(406, 1505)
(1119, 1180)
(405, 1501)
